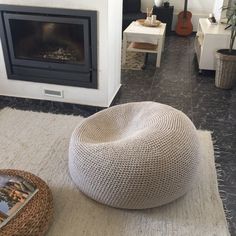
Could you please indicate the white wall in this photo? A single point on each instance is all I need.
(219, 14)
(199, 9)
(195, 6)
(108, 73)
(114, 53)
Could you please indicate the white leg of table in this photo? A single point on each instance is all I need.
(159, 51)
(163, 43)
(124, 49)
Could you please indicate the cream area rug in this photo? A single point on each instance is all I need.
(134, 61)
(38, 143)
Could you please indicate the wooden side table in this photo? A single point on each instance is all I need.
(36, 216)
(152, 37)
(165, 15)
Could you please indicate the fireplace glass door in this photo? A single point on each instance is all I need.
(55, 41)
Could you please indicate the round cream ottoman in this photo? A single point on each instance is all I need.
(135, 155)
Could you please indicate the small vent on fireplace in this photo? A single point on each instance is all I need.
(53, 93)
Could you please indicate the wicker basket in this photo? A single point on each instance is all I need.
(225, 70)
(142, 22)
(36, 216)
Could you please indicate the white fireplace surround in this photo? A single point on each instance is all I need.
(109, 56)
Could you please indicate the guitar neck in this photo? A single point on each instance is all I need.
(185, 7)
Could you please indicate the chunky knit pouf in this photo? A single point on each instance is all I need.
(135, 156)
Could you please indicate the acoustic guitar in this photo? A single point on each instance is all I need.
(184, 26)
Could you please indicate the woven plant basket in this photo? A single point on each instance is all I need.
(225, 69)
(36, 216)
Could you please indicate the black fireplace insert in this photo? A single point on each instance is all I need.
(50, 45)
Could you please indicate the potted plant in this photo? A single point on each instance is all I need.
(226, 58)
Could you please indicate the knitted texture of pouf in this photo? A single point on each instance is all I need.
(135, 155)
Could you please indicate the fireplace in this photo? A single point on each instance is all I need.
(50, 45)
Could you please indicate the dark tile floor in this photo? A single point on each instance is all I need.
(176, 83)
(47, 106)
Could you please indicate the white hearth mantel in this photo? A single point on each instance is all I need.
(109, 56)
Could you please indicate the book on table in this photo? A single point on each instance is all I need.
(15, 192)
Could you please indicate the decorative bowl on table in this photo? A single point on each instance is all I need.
(146, 23)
